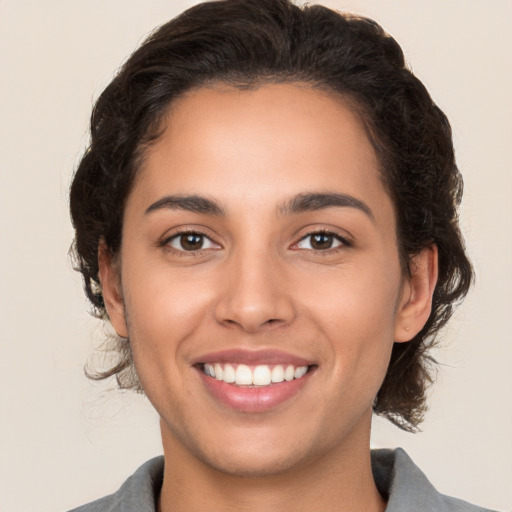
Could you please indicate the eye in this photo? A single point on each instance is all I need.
(190, 241)
(320, 241)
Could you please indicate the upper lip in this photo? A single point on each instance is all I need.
(252, 357)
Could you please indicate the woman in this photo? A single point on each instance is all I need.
(267, 215)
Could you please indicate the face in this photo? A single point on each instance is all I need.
(259, 280)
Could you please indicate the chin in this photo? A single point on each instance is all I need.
(255, 463)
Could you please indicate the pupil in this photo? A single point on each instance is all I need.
(321, 241)
(191, 242)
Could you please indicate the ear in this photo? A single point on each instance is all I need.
(111, 289)
(416, 300)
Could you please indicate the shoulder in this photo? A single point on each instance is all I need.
(139, 493)
(408, 488)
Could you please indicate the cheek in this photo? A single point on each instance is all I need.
(164, 300)
(164, 309)
(356, 311)
(162, 316)
(357, 298)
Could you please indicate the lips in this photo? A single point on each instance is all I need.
(253, 381)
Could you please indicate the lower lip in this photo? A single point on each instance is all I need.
(253, 399)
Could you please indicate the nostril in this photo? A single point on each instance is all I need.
(252, 311)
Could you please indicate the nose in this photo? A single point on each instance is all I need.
(255, 294)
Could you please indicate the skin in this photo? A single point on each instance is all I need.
(258, 283)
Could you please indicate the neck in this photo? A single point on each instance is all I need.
(341, 480)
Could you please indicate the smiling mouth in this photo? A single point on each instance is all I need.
(254, 376)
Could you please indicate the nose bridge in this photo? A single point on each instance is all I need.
(254, 295)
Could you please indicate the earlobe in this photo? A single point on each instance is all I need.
(416, 301)
(111, 289)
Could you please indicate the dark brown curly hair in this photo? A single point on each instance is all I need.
(245, 43)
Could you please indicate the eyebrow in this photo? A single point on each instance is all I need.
(301, 203)
(191, 203)
(319, 201)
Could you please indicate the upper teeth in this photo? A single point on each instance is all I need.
(261, 375)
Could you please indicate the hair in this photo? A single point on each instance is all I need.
(243, 43)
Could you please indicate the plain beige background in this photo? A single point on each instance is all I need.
(64, 440)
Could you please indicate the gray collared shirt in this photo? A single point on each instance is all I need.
(397, 477)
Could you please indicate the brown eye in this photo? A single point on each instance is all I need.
(191, 242)
(320, 242)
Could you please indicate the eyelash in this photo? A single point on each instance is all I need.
(183, 252)
(343, 242)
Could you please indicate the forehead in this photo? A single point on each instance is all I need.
(266, 143)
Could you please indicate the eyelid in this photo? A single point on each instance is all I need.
(344, 241)
(168, 239)
(336, 242)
